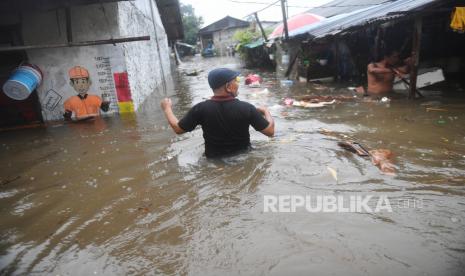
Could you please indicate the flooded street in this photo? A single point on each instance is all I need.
(125, 195)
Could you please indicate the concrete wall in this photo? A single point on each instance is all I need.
(148, 64)
(143, 62)
(93, 22)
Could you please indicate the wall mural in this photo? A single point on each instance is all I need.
(105, 80)
(84, 105)
(83, 82)
(51, 100)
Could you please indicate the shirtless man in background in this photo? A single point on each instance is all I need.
(381, 74)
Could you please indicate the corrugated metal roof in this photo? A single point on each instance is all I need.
(344, 22)
(344, 6)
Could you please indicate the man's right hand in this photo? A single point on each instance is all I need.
(166, 104)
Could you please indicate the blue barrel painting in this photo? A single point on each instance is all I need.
(23, 82)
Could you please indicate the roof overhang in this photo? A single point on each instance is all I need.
(13, 6)
(399, 10)
(169, 10)
(171, 18)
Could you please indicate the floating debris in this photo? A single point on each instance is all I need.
(8, 181)
(428, 109)
(383, 159)
(333, 173)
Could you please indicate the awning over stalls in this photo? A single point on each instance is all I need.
(336, 7)
(347, 22)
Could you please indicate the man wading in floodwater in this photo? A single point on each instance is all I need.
(381, 74)
(225, 120)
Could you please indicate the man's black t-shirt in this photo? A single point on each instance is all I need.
(225, 125)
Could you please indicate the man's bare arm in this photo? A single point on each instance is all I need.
(172, 120)
(378, 70)
(269, 130)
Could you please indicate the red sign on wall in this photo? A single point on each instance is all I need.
(123, 91)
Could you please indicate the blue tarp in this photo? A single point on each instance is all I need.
(254, 44)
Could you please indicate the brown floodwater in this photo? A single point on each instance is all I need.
(125, 195)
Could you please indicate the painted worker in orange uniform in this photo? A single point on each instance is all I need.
(83, 105)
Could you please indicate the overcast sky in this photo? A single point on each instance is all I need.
(213, 10)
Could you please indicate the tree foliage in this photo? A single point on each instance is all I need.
(246, 36)
(256, 57)
(191, 24)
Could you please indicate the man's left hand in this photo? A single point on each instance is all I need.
(262, 110)
(166, 104)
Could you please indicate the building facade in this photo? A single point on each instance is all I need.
(126, 73)
(220, 34)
